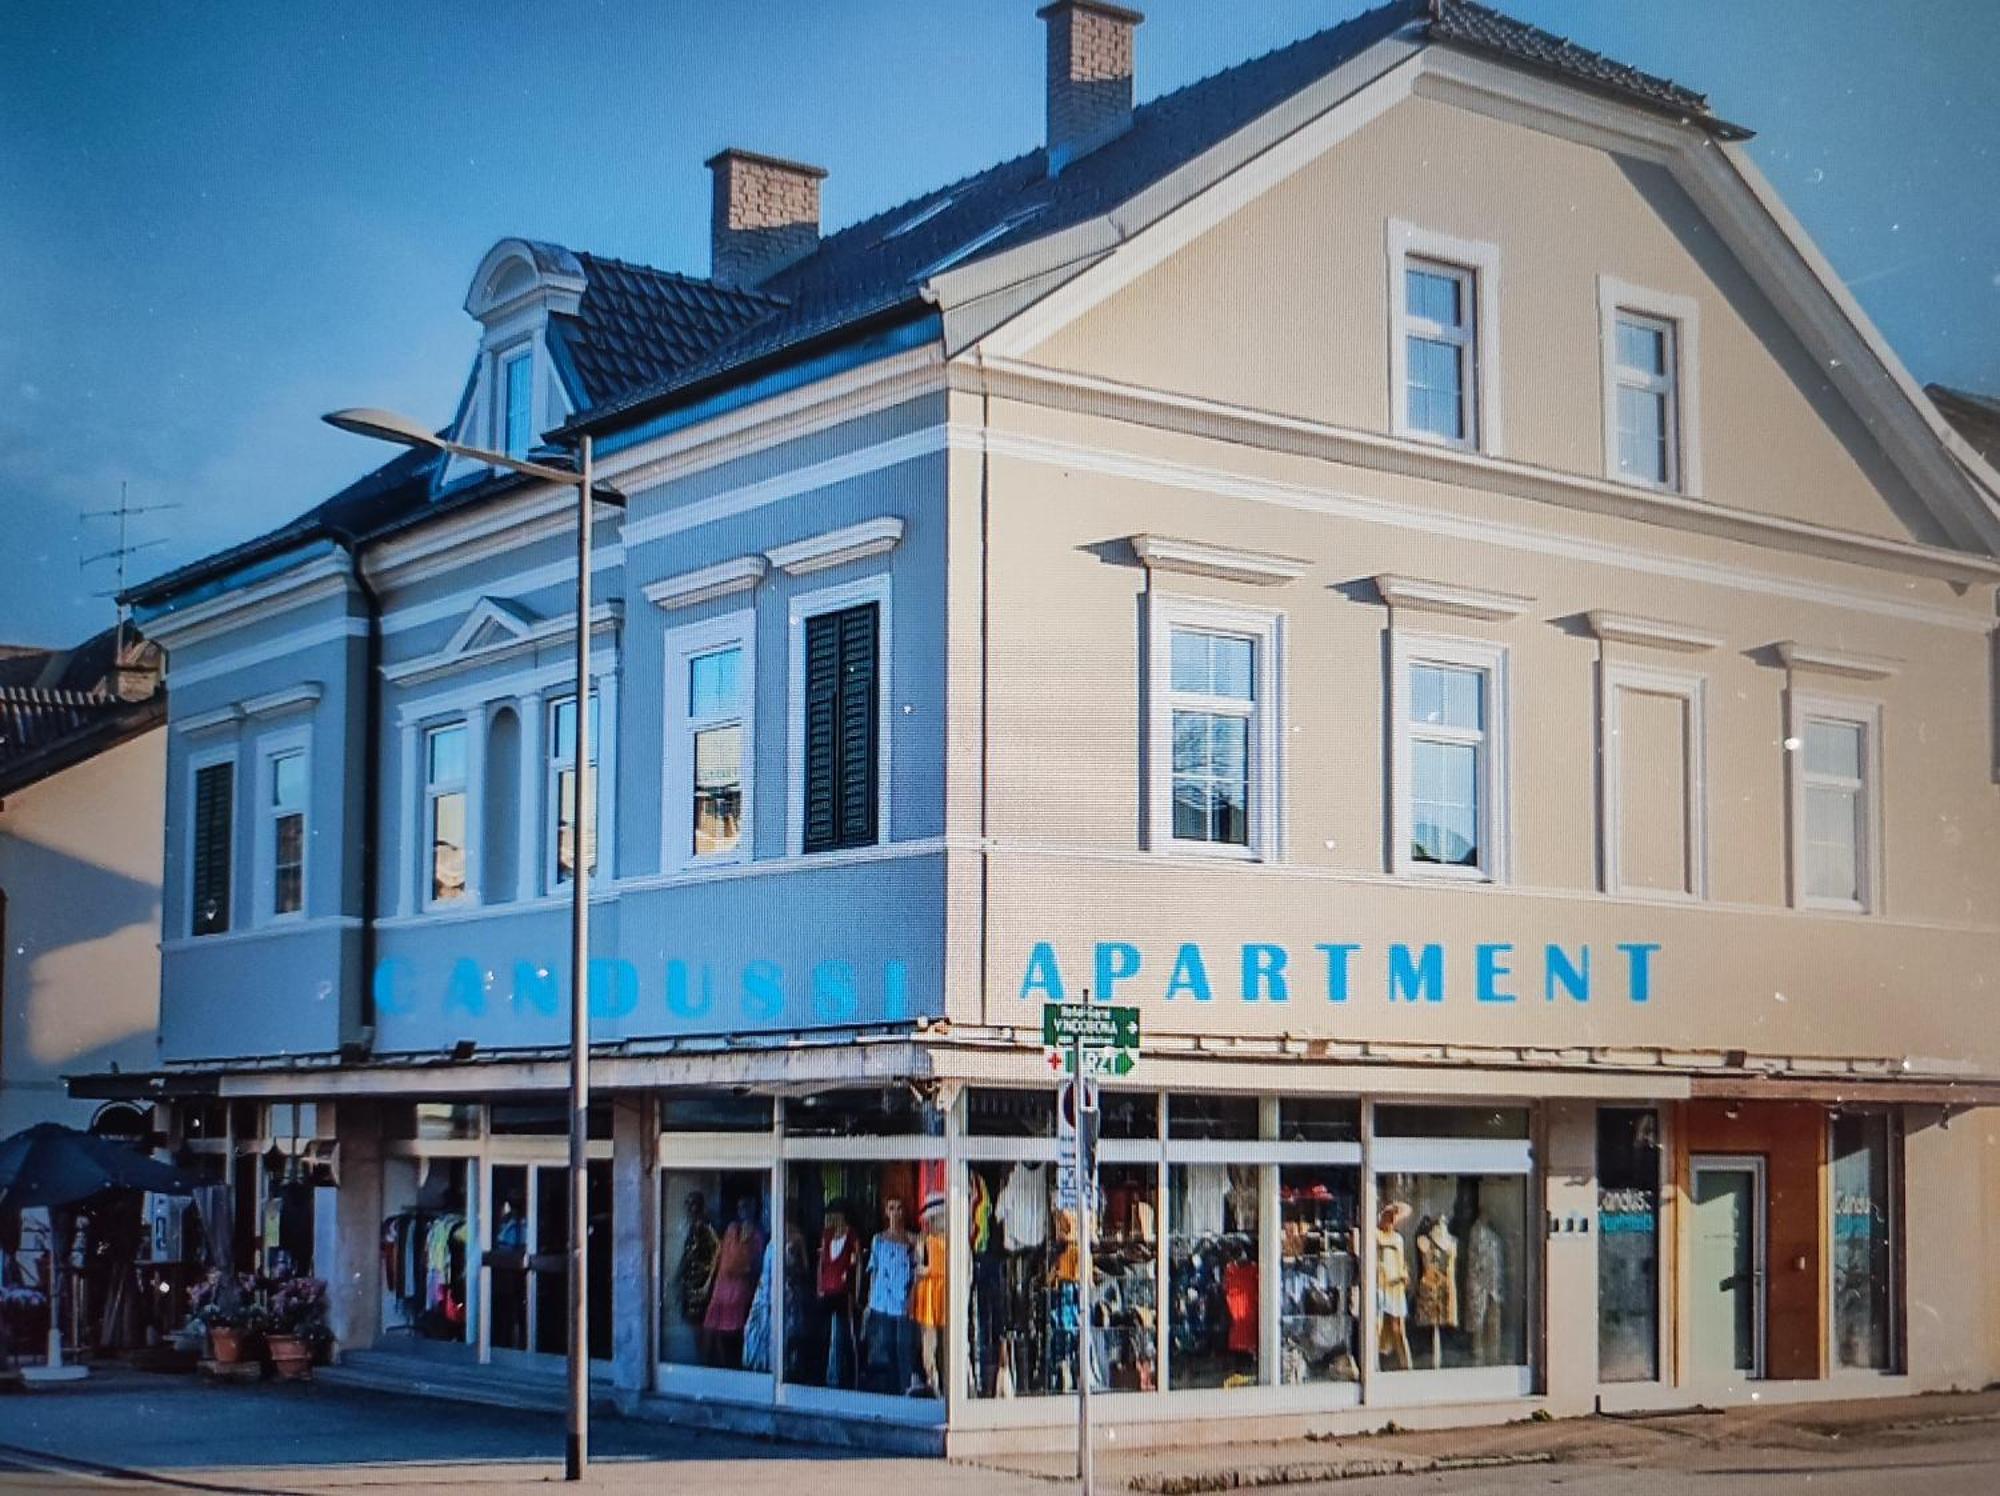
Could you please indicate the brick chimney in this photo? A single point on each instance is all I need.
(1089, 76)
(766, 216)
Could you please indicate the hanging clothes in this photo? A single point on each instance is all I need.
(1023, 1208)
(1204, 1198)
(1239, 1293)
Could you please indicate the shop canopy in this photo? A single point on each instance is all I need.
(49, 1164)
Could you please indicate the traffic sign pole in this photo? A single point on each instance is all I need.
(1086, 1172)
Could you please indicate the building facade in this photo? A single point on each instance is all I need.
(1399, 560)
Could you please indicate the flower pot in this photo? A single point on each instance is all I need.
(225, 1345)
(291, 1357)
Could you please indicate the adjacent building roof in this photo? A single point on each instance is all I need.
(59, 707)
(1975, 416)
(643, 338)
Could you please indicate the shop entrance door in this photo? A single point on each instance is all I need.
(1726, 1267)
(530, 1263)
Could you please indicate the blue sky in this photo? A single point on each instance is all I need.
(220, 220)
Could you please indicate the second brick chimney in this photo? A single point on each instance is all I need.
(766, 215)
(1089, 75)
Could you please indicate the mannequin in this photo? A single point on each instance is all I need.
(839, 1255)
(1392, 1283)
(1485, 1290)
(1437, 1283)
(697, 1269)
(927, 1298)
(885, 1328)
(737, 1263)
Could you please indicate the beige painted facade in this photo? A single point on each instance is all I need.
(1237, 396)
(80, 868)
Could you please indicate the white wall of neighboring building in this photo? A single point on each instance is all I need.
(80, 972)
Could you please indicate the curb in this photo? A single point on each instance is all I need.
(1266, 1477)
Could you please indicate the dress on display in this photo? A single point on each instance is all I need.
(1392, 1275)
(927, 1302)
(736, 1267)
(1437, 1277)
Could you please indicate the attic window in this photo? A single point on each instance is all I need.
(922, 216)
(517, 402)
(979, 241)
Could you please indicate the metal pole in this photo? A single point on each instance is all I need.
(584, 819)
(1086, 1190)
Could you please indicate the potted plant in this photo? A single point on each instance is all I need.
(297, 1326)
(222, 1307)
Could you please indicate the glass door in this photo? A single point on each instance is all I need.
(530, 1259)
(1726, 1267)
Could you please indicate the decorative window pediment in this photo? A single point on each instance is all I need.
(493, 630)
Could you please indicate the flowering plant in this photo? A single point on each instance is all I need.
(225, 1303)
(298, 1307)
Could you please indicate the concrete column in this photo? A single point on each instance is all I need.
(1569, 1264)
(534, 760)
(353, 1272)
(634, 1153)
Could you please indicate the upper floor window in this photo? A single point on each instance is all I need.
(285, 831)
(1648, 399)
(710, 688)
(1213, 743)
(1835, 851)
(214, 836)
(1448, 816)
(561, 797)
(1444, 364)
(841, 700)
(517, 402)
(1650, 341)
(444, 811)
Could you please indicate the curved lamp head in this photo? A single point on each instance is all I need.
(387, 426)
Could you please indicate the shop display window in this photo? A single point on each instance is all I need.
(991, 1113)
(1200, 1116)
(1319, 1119)
(1320, 1274)
(1628, 1244)
(424, 1249)
(547, 1118)
(1128, 1115)
(1451, 1122)
(1451, 1265)
(434, 1121)
(714, 1111)
(888, 1112)
(1024, 1306)
(715, 1290)
(1213, 1274)
(873, 1254)
(1863, 1252)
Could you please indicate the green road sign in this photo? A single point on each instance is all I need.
(1098, 1025)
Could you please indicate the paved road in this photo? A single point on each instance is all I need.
(127, 1432)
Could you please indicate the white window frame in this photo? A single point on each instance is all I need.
(208, 759)
(1480, 264)
(504, 361)
(682, 647)
(1407, 649)
(270, 748)
(1264, 629)
(1844, 711)
(808, 605)
(1615, 679)
(430, 791)
(552, 767)
(1680, 316)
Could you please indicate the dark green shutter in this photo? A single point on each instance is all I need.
(214, 817)
(841, 724)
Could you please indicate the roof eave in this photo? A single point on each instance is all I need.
(101, 736)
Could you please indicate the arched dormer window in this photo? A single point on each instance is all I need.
(516, 392)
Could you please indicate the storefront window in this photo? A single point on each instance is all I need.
(715, 1296)
(714, 1111)
(1228, 1118)
(1320, 1275)
(993, 1113)
(1628, 1244)
(872, 1238)
(434, 1121)
(891, 1112)
(424, 1248)
(1451, 1255)
(1319, 1119)
(1128, 1115)
(1862, 1250)
(1451, 1122)
(1213, 1273)
(546, 1118)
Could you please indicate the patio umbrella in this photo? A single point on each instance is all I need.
(51, 1165)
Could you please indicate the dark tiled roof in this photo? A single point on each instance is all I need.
(1976, 417)
(58, 707)
(643, 337)
(1477, 28)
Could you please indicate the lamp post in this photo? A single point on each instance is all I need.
(387, 426)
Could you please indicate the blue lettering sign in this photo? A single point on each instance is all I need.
(1641, 958)
(1190, 975)
(1264, 971)
(1491, 972)
(1337, 958)
(1574, 977)
(1410, 979)
(1042, 975)
(1116, 961)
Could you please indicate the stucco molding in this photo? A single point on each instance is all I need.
(706, 584)
(302, 697)
(313, 579)
(211, 723)
(1417, 595)
(1819, 660)
(523, 640)
(1652, 633)
(1226, 563)
(872, 537)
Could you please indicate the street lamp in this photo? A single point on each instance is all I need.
(387, 426)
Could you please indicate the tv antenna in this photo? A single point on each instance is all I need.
(121, 553)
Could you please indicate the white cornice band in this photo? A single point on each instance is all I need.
(687, 588)
(1844, 662)
(1422, 596)
(872, 537)
(1227, 563)
(1654, 633)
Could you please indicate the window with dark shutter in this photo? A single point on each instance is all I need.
(841, 726)
(214, 815)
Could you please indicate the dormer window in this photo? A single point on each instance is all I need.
(517, 402)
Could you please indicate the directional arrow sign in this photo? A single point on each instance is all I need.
(1099, 1026)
